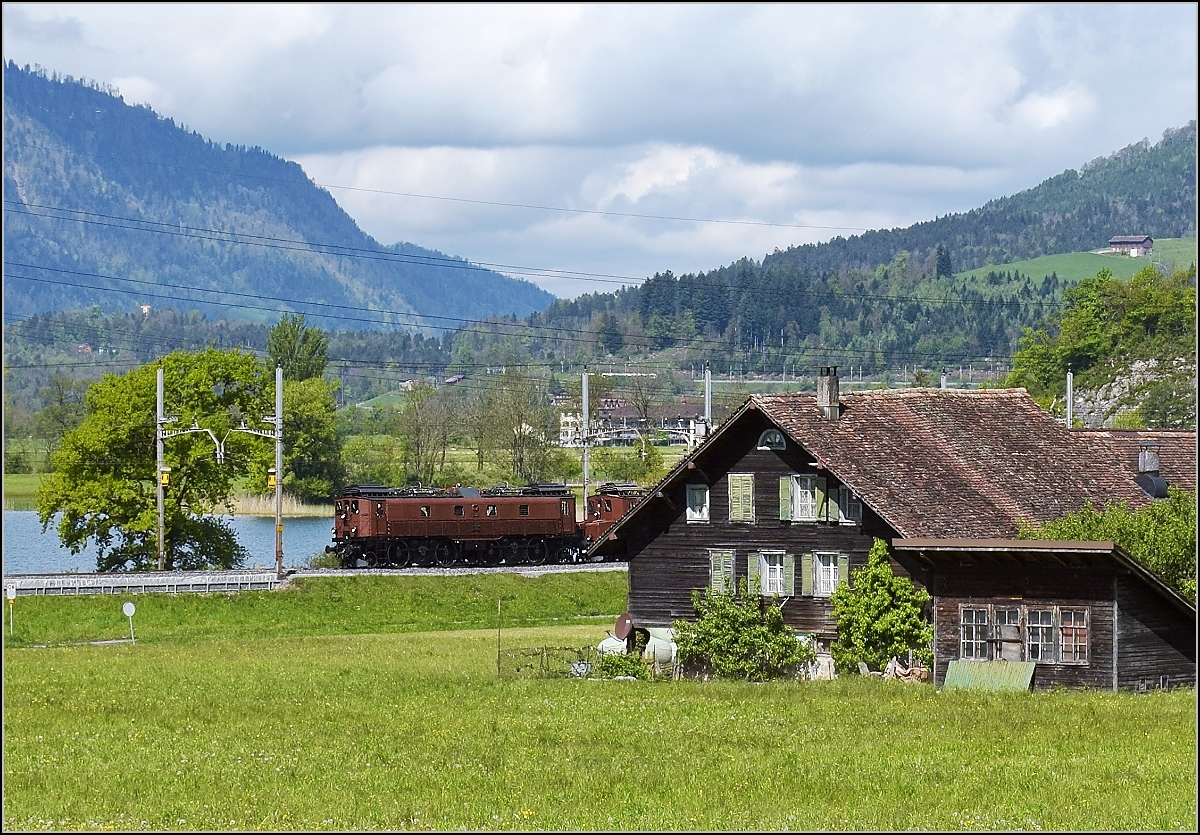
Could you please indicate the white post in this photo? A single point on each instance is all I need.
(584, 432)
(158, 472)
(279, 470)
(707, 397)
(1070, 399)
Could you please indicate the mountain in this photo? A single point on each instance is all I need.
(1142, 189)
(935, 294)
(112, 205)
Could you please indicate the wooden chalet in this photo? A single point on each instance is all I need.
(792, 489)
(1134, 244)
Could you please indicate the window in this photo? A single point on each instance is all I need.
(771, 439)
(798, 498)
(379, 509)
(608, 505)
(1043, 634)
(1039, 635)
(849, 505)
(491, 510)
(523, 510)
(825, 573)
(974, 633)
(458, 510)
(1007, 638)
(697, 502)
(1073, 643)
(741, 497)
(424, 510)
(771, 572)
(720, 562)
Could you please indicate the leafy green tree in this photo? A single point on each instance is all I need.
(608, 335)
(301, 350)
(879, 615)
(103, 487)
(739, 636)
(312, 446)
(62, 411)
(1105, 326)
(1161, 536)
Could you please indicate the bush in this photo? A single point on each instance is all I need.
(622, 664)
(879, 615)
(736, 636)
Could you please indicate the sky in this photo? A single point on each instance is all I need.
(589, 146)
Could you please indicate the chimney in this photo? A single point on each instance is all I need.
(828, 402)
(1148, 477)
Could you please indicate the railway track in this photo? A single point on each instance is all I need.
(202, 582)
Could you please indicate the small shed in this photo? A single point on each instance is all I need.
(1086, 614)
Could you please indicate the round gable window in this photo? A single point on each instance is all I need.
(771, 439)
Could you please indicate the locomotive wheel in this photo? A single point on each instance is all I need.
(422, 554)
(400, 554)
(491, 554)
(536, 552)
(563, 554)
(514, 551)
(371, 558)
(445, 554)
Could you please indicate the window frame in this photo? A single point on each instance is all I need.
(771, 439)
(1075, 629)
(772, 565)
(697, 517)
(798, 488)
(824, 586)
(979, 632)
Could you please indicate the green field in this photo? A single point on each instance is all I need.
(376, 704)
(1178, 253)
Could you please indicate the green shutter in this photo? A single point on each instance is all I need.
(735, 498)
(822, 513)
(752, 581)
(843, 569)
(789, 574)
(741, 497)
(748, 497)
(806, 572)
(785, 498)
(722, 569)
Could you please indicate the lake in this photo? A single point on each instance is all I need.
(29, 551)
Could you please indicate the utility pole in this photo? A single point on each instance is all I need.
(279, 470)
(584, 434)
(160, 471)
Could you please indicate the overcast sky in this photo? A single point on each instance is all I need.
(680, 137)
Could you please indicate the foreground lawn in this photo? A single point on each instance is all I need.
(217, 728)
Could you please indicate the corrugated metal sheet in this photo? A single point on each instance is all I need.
(989, 675)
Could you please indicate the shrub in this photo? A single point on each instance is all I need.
(622, 664)
(879, 615)
(738, 636)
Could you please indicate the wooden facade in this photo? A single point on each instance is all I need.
(1085, 612)
(670, 556)
(939, 464)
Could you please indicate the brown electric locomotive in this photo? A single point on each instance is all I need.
(385, 527)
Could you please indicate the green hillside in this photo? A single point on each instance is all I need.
(1072, 267)
(111, 205)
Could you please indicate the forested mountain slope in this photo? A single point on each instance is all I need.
(891, 299)
(1142, 189)
(112, 205)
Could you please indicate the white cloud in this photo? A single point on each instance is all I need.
(817, 114)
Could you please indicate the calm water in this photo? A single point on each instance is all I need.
(28, 551)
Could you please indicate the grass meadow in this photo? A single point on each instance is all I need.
(1177, 253)
(375, 703)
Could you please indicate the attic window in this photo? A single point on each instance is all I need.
(771, 439)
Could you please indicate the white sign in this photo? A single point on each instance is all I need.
(128, 609)
(12, 591)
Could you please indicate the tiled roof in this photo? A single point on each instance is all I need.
(1176, 453)
(956, 463)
